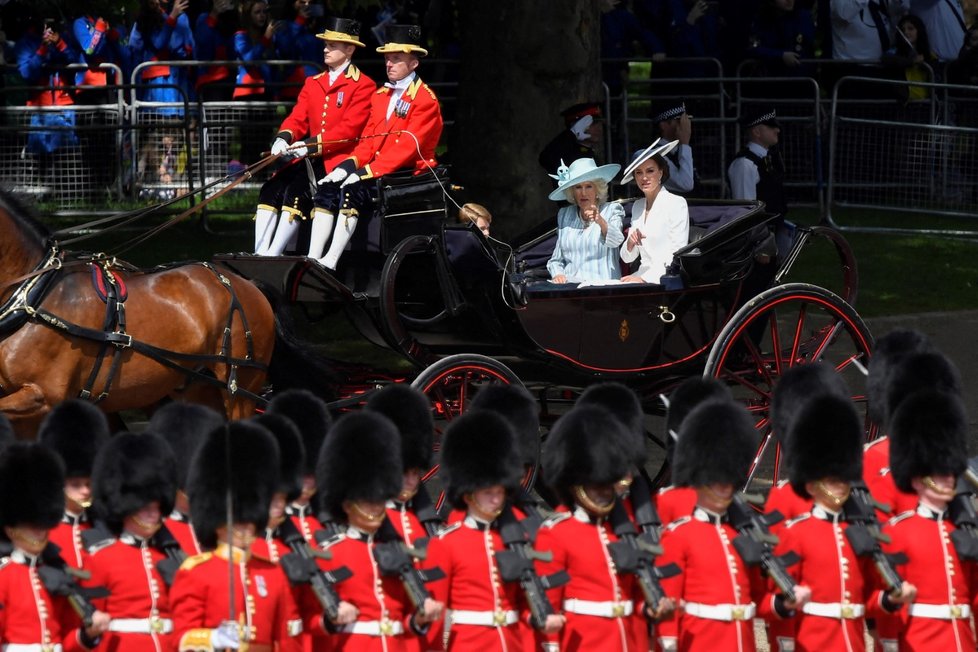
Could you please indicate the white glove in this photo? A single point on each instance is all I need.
(279, 147)
(353, 178)
(580, 127)
(226, 637)
(298, 150)
(335, 176)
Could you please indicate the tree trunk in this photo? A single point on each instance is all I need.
(522, 62)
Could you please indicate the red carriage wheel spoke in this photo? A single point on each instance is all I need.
(796, 343)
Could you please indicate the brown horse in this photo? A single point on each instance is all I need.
(197, 333)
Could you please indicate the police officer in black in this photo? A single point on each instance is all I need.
(757, 172)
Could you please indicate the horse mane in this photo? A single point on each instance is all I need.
(25, 217)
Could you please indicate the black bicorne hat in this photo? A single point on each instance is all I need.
(825, 441)
(690, 393)
(183, 426)
(515, 404)
(479, 451)
(928, 436)
(717, 443)
(888, 351)
(310, 415)
(75, 429)
(254, 464)
(292, 454)
(623, 404)
(402, 38)
(361, 461)
(32, 485)
(584, 447)
(796, 386)
(410, 411)
(130, 472)
(917, 371)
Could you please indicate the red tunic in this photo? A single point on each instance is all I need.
(384, 147)
(790, 505)
(940, 577)
(30, 616)
(127, 568)
(330, 113)
(712, 574)
(674, 503)
(304, 520)
(405, 522)
(199, 601)
(179, 526)
(879, 480)
(67, 536)
(579, 546)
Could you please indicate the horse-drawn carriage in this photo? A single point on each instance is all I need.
(466, 310)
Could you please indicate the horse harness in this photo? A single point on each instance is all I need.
(25, 304)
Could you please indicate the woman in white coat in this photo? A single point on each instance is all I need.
(660, 220)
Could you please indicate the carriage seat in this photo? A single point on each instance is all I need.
(405, 204)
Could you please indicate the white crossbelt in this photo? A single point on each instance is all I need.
(485, 618)
(720, 611)
(609, 609)
(374, 628)
(141, 625)
(30, 647)
(939, 611)
(834, 610)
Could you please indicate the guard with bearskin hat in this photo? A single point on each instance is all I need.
(928, 451)
(183, 426)
(74, 429)
(311, 416)
(32, 502)
(481, 470)
(824, 459)
(584, 459)
(719, 594)
(270, 546)
(134, 480)
(228, 598)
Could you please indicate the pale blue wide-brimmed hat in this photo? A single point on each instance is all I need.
(641, 156)
(579, 171)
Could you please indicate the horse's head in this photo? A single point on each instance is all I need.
(23, 239)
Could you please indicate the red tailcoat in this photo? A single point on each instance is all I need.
(466, 553)
(712, 574)
(940, 577)
(199, 601)
(179, 526)
(127, 568)
(674, 503)
(879, 480)
(404, 520)
(790, 505)
(67, 536)
(385, 147)
(304, 520)
(578, 546)
(30, 616)
(329, 113)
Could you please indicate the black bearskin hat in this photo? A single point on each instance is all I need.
(292, 454)
(32, 486)
(183, 426)
(928, 436)
(361, 461)
(410, 411)
(515, 404)
(717, 443)
(130, 472)
(479, 451)
(584, 447)
(888, 351)
(75, 429)
(825, 441)
(253, 462)
(623, 404)
(690, 393)
(917, 371)
(310, 415)
(795, 387)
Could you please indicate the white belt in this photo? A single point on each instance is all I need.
(845, 611)
(720, 611)
(940, 611)
(608, 609)
(30, 647)
(141, 625)
(485, 618)
(374, 628)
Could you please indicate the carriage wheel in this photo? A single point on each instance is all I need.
(785, 326)
(450, 384)
(845, 283)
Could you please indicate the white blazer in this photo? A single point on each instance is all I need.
(666, 229)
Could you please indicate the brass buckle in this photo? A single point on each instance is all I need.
(156, 625)
(386, 627)
(47, 647)
(499, 617)
(955, 611)
(618, 610)
(737, 613)
(848, 612)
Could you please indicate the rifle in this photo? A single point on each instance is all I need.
(394, 557)
(164, 541)
(961, 509)
(516, 565)
(301, 568)
(755, 543)
(59, 579)
(646, 515)
(634, 554)
(864, 534)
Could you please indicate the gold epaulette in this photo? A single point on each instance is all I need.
(352, 72)
(317, 76)
(192, 562)
(431, 92)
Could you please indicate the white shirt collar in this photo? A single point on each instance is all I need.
(930, 512)
(707, 516)
(826, 514)
(21, 557)
(401, 85)
(334, 74)
(757, 149)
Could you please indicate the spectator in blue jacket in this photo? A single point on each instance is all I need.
(159, 36)
(253, 42)
(98, 42)
(298, 41)
(214, 41)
